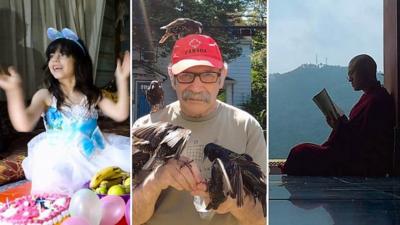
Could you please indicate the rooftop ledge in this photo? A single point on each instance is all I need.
(274, 165)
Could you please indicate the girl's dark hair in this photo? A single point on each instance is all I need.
(83, 71)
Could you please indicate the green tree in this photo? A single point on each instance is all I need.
(257, 103)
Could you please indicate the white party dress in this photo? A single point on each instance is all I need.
(71, 150)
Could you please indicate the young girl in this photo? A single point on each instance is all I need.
(72, 149)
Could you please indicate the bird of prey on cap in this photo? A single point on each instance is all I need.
(180, 28)
(155, 96)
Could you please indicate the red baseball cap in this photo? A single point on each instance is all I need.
(195, 50)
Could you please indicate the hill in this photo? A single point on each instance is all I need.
(293, 116)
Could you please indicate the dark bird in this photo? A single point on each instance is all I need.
(155, 96)
(154, 144)
(234, 175)
(180, 28)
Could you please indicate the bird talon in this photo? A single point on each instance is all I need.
(187, 164)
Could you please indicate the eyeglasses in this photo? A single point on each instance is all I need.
(206, 77)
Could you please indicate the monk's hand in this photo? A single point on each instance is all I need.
(332, 122)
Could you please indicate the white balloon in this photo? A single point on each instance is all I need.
(86, 204)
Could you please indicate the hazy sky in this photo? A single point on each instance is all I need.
(333, 29)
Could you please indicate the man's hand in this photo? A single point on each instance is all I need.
(180, 174)
(249, 213)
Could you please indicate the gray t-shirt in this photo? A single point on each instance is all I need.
(227, 126)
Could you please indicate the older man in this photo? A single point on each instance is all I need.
(359, 146)
(197, 72)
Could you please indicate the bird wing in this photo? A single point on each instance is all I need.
(235, 176)
(173, 140)
(225, 178)
(145, 132)
(216, 185)
(176, 141)
(139, 158)
(253, 168)
(180, 27)
(145, 137)
(142, 145)
(175, 23)
(165, 37)
(154, 133)
(253, 181)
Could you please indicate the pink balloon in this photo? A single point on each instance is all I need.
(128, 212)
(113, 209)
(75, 220)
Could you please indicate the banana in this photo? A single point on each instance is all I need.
(117, 175)
(111, 182)
(104, 183)
(115, 182)
(104, 174)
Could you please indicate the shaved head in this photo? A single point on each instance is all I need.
(365, 65)
(362, 72)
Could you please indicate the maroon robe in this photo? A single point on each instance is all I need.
(360, 146)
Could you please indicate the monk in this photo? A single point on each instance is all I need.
(361, 145)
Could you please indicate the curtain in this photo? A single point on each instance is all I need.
(23, 38)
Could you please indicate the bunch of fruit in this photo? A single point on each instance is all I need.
(111, 180)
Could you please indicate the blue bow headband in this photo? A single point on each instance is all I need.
(66, 33)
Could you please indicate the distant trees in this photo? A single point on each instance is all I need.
(217, 16)
(257, 103)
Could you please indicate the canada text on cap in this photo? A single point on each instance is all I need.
(195, 50)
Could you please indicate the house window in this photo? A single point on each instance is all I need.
(310, 45)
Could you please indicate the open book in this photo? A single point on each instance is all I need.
(326, 105)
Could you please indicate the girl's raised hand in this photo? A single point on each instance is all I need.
(10, 81)
(123, 69)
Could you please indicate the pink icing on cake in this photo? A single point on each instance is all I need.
(44, 209)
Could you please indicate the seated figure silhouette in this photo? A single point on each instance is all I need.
(361, 145)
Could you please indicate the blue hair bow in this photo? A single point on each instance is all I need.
(66, 33)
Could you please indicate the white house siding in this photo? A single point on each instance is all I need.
(229, 92)
(169, 92)
(239, 70)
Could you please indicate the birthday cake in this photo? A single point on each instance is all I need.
(44, 209)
